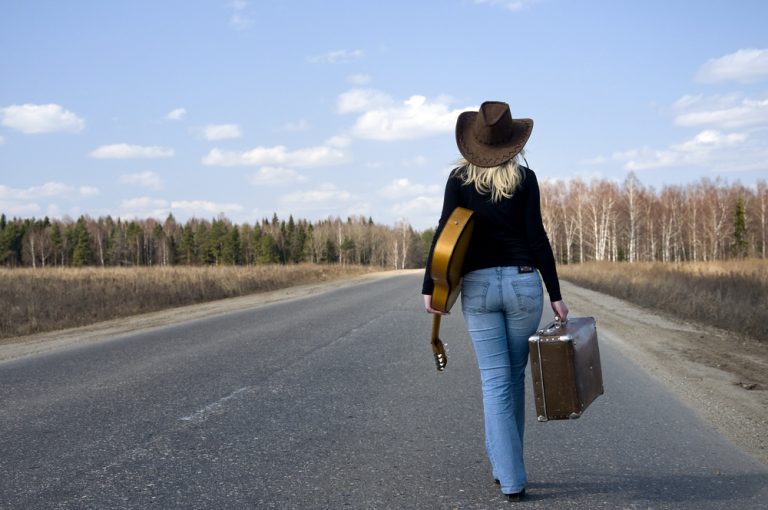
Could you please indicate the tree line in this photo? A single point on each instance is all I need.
(702, 221)
(599, 220)
(106, 241)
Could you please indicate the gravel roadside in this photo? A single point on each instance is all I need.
(723, 377)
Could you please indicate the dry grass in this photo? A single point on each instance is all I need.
(36, 300)
(732, 295)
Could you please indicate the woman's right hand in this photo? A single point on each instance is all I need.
(561, 311)
(428, 305)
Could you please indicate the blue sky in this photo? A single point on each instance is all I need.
(326, 108)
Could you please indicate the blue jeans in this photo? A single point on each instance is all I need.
(502, 308)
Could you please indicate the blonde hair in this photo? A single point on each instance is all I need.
(500, 181)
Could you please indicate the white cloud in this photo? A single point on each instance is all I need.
(299, 125)
(125, 151)
(708, 149)
(143, 203)
(53, 211)
(429, 206)
(710, 139)
(744, 66)
(581, 175)
(275, 175)
(400, 188)
(88, 191)
(339, 141)
(19, 209)
(336, 56)
(26, 201)
(177, 114)
(416, 117)
(597, 160)
(41, 118)
(512, 5)
(240, 17)
(146, 179)
(205, 207)
(359, 79)
(277, 155)
(730, 111)
(221, 131)
(361, 100)
(326, 194)
(358, 209)
(414, 161)
(144, 207)
(47, 190)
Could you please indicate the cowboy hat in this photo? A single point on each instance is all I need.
(491, 136)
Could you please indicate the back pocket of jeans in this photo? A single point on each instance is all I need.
(473, 295)
(529, 297)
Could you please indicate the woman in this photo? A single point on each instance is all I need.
(501, 294)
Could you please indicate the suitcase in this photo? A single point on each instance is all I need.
(565, 368)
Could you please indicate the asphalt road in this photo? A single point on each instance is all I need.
(333, 401)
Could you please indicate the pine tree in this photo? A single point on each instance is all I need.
(348, 249)
(81, 252)
(187, 249)
(11, 243)
(56, 243)
(740, 244)
(230, 252)
(330, 253)
(133, 236)
(267, 250)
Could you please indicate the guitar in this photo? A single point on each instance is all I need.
(447, 261)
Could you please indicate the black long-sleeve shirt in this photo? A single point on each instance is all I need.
(506, 233)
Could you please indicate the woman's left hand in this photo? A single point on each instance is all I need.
(561, 311)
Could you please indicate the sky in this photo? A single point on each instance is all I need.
(336, 108)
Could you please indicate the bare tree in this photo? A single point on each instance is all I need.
(631, 192)
(762, 199)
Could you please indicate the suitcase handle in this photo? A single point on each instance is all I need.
(555, 325)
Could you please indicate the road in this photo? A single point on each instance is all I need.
(332, 401)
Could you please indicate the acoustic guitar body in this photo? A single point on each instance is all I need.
(448, 258)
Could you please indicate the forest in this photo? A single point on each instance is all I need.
(110, 242)
(702, 221)
(600, 220)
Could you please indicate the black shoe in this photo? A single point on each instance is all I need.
(496, 481)
(517, 496)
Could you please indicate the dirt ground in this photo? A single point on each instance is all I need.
(724, 378)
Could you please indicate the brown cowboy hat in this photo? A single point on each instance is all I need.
(491, 136)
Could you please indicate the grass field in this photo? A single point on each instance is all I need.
(731, 295)
(37, 300)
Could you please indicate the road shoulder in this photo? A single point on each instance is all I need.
(722, 377)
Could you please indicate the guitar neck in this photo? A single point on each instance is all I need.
(435, 326)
